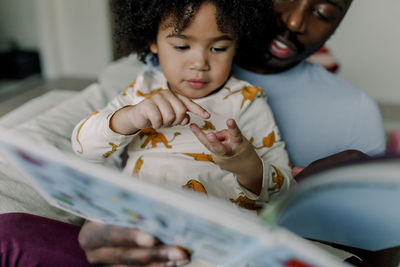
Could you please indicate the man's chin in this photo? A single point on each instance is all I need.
(273, 64)
(267, 64)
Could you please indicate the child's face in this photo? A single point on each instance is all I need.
(198, 60)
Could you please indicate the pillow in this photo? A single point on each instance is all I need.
(34, 107)
(54, 127)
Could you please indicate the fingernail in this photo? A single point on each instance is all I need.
(175, 254)
(211, 137)
(184, 121)
(145, 240)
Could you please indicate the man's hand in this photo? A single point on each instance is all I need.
(164, 109)
(233, 153)
(116, 246)
(300, 173)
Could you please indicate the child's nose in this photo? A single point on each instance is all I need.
(199, 61)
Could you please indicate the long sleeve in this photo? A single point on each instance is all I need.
(92, 137)
(257, 123)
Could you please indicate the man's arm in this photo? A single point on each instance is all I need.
(344, 157)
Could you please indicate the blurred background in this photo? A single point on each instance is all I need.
(68, 42)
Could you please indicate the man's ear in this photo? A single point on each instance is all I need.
(153, 47)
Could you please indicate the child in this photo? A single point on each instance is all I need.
(194, 43)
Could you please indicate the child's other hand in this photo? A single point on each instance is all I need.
(164, 109)
(223, 144)
(234, 153)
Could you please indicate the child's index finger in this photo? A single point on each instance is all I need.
(194, 107)
(234, 130)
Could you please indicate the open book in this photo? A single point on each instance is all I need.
(354, 205)
(215, 231)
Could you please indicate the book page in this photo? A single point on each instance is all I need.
(213, 230)
(352, 205)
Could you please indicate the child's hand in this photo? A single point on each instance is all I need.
(164, 109)
(233, 153)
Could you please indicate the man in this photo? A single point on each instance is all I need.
(318, 115)
(302, 96)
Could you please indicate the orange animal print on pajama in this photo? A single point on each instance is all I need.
(80, 128)
(153, 92)
(138, 166)
(201, 157)
(268, 141)
(113, 149)
(208, 126)
(277, 178)
(129, 86)
(248, 93)
(245, 202)
(195, 186)
(155, 137)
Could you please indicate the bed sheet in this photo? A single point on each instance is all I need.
(34, 107)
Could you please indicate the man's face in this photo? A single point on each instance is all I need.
(303, 27)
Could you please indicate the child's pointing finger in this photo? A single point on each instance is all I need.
(194, 107)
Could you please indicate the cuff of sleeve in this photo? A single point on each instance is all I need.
(117, 138)
(264, 195)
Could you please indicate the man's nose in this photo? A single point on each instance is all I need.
(199, 61)
(294, 16)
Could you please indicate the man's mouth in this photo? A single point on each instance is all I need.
(196, 83)
(281, 49)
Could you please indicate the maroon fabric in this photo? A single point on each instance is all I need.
(27, 240)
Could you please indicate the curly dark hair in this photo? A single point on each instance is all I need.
(136, 22)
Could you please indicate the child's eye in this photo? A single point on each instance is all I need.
(218, 49)
(181, 47)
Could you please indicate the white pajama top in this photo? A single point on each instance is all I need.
(175, 156)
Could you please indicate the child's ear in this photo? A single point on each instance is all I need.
(153, 48)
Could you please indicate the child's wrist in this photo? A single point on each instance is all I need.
(252, 183)
(121, 123)
(251, 178)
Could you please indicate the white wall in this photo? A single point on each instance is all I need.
(18, 22)
(75, 36)
(367, 45)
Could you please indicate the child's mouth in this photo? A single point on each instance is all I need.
(196, 83)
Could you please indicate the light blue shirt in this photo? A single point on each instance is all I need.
(318, 113)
